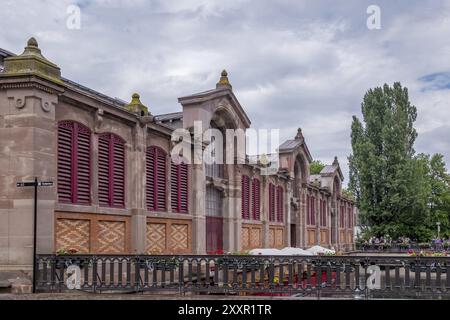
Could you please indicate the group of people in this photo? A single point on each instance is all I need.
(437, 243)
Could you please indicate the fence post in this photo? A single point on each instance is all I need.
(137, 271)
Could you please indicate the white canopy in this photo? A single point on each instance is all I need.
(266, 252)
(290, 251)
(320, 250)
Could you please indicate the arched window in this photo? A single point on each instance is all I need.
(313, 210)
(350, 217)
(213, 202)
(280, 204)
(342, 217)
(310, 210)
(74, 163)
(271, 202)
(256, 198)
(245, 198)
(323, 213)
(179, 186)
(156, 178)
(111, 170)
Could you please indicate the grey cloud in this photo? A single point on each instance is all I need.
(292, 63)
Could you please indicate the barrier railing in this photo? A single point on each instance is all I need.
(317, 276)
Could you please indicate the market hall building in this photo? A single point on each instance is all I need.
(117, 191)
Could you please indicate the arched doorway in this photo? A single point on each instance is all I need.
(214, 220)
(300, 177)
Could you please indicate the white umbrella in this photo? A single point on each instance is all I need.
(266, 252)
(318, 249)
(290, 251)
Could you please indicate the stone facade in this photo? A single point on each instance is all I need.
(34, 99)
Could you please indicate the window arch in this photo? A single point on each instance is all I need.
(74, 163)
(323, 213)
(179, 186)
(213, 202)
(245, 198)
(111, 170)
(156, 178)
(256, 199)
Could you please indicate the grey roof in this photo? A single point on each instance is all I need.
(169, 116)
(331, 169)
(6, 53)
(290, 145)
(328, 169)
(116, 101)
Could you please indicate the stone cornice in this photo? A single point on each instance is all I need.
(29, 81)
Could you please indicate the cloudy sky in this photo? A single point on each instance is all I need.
(291, 63)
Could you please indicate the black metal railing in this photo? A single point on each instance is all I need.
(316, 276)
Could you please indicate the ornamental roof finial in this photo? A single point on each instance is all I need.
(32, 62)
(335, 162)
(299, 135)
(223, 82)
(136, 106)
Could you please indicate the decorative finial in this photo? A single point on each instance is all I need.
(223, 82)
(335, 162)
(299, 135)
(136, 106)
(32, 43)
(32, 62)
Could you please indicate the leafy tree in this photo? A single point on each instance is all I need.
(389, 181)
(439, 200)
(316, 166)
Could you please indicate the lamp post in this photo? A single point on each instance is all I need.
(35, 184)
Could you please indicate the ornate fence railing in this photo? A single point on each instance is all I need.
(317, 276)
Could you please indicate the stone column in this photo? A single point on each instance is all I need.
(29, 90)
(265, 211)
(199, 213)
(136, 182)
(287, 209)
(27, 150)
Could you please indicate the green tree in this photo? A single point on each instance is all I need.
(439, 199)
(316, 166)
(386, 177)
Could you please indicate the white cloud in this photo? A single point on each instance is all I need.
(291, 63)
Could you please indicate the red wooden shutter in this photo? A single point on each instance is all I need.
(179, 187)
(279, 204)
(83, 162)
(271, 202)
(65, 142)
(156, 179)
(161, 180)
(74, 163)
(118, 174)
(150, 178)
(111, 170)
(256, 195)
(104, 191)
(245, 198)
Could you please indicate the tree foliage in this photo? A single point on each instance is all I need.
(316, 166)
(397, 191)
